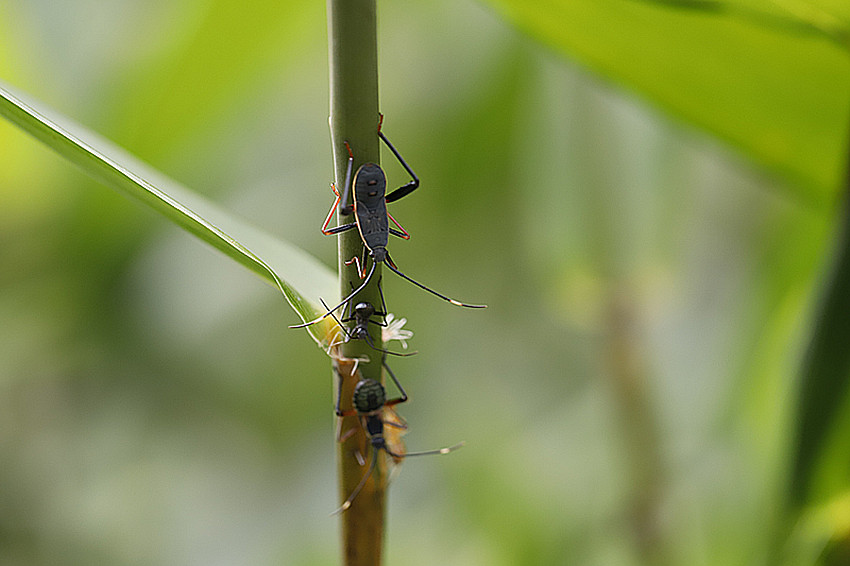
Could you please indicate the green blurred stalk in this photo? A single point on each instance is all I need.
(353, 52)
(644, 464)
(822, 397)
(825, 373)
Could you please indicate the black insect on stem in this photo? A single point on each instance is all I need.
(371, 219)
(363, 313)
(370, 402)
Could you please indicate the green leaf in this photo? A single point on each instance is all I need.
(821, 466)
(299, 277)
(769, 77)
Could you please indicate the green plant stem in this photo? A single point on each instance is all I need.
(353, 51)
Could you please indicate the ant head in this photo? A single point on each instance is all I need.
(364, 310)
(369, 396)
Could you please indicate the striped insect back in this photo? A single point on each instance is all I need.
(372, 220)
(370, 208)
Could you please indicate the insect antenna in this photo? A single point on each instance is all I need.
(445, 450)
(392, 266)
(341, 303)
(360, 485)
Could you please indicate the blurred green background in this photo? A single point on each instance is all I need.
(624, 399)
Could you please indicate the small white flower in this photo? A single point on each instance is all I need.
(394, 331)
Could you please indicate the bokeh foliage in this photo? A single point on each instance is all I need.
(770, 77)
(625, 400)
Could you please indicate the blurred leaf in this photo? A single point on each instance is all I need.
(770, 77)
(822, 535)
(222, 46)
(822, 444)
(295, 273)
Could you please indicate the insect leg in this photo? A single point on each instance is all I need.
(401, 390)
(338, 229)
(404, 190)
(360, 485)
(342, 302)
(342, 228)
(337, 409)
(403, 234)
(383, 313)
(344, 208)
(359, 263)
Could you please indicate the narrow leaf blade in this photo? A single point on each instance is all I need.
(300, 278)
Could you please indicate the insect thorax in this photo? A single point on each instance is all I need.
(375, 430)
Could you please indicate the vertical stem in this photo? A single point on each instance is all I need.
(824, 383)
(623, 349)
(824, 373)
(640, 429)
(353, 53)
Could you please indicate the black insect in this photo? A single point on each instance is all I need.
(362, 316)
(375, 413)
(371, 219)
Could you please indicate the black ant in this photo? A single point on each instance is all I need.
(370, 403)
(362, 316)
